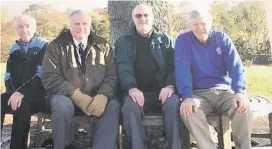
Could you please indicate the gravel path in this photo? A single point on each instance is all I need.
(155, 135)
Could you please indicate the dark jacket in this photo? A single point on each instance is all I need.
(161, 48)
(23, 69)
(62, 75)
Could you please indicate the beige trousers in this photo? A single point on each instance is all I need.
(215, 101)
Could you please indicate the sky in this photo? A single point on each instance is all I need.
(15, 7)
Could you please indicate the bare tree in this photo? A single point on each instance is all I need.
(120, 16)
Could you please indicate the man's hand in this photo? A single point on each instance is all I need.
(186, 107)
(97, 107)
(15, 100)
(166, 93)
(82, 101)
(242, 103)
(137, 96)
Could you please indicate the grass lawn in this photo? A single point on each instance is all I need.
(259, 80)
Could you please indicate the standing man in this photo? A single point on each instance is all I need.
(24, 90)
(210, 79)
(145, 64)
(79, 75)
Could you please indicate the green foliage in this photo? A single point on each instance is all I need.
(8, 34)
(245, 23)
(49, 20)
(178, 17)
(100, 22)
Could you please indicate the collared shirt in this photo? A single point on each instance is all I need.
(84, 41)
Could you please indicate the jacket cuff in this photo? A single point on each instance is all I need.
(71, 90)
(131, 86)
(9, 88)
(240, 90)
(184, 96)
(109, 95)
(22, 90)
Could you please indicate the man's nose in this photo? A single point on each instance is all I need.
(24, 29)
(201, 27)
(80, 26)
(142, 19)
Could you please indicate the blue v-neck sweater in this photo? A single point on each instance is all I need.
(215, 64)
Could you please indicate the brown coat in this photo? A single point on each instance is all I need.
(61, 73)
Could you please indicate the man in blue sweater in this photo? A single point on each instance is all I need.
(210, 79)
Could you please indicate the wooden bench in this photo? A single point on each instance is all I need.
(223, 135)
(79, 122)
(224, 131)
(260, 107)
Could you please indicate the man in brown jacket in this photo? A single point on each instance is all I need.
(79, 69)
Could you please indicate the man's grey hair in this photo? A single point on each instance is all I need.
(149, 8)
(200, 13)
(77, 12)
(25, 17)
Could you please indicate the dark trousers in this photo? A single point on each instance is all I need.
(104, 130)
(21, 118)
(133, 115)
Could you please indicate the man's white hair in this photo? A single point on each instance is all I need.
(72, 13)
(26, 17)
(147, 7)
(200, 12)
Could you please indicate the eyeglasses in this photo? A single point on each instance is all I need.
(138, 16)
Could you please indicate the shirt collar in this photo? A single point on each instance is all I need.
(84, 41)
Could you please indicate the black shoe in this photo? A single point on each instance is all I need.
(48, 144)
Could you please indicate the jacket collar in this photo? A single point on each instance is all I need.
(66, 37)
(156, 36)
(22, 43)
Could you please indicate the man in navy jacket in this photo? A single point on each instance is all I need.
(24, 90)
(145, 65)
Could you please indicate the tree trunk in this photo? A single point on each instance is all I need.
(121, 21)
(268, 10)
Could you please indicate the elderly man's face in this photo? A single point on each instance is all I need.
(201, 28)
(25, 29)
(80, 26)
(143, 19)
